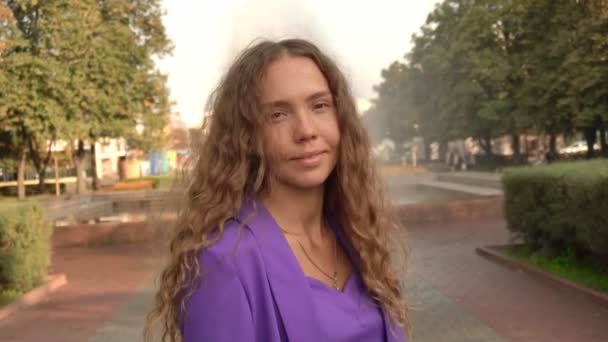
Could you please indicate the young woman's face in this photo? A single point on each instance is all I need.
(300, 133)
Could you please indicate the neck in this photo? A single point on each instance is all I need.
(297, 211)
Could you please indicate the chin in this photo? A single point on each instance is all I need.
(307, 180)
(308, 184)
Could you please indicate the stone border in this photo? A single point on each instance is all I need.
(82, 208)
(492, 181)
(110, 233)
(35, 296)
(150, 228)
(491, 253)
(466, 210)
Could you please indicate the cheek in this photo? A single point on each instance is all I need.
(266, 137)
(332, 133)
(274, 146)
(271, 136)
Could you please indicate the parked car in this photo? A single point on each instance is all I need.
(579, 146)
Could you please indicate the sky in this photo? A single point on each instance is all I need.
(362, 36)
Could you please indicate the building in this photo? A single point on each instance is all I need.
(108, 153)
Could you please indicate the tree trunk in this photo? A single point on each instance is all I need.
(80, 170)
(95, 180)
(40, 164)
(590, 137)
(603, 143)
(552, 147)
(427, 151)
(486, 145)
(443, 149)
(21, 176)
(56, 167)
(516, 147)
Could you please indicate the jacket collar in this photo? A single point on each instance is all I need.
(287, 280)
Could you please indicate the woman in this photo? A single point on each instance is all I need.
(286, 230)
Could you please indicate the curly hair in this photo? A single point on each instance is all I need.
(229, 163)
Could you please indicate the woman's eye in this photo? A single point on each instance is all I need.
(321, 106)
(276, 116)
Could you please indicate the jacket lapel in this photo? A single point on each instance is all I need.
(288, 283)
(392, 335)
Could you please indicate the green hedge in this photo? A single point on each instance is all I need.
(559, 207)
(32, 190)
(25, 237)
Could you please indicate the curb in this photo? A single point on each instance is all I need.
(35, 296)
(491, 254)
(109, 233)
(466, 210)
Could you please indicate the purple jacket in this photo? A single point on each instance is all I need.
(253, 288)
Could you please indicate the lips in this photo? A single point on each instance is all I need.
(308, 155)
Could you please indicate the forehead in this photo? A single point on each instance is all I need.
(291, 78)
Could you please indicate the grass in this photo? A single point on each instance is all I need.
(7, 296)
(567, 266)
(9, 201)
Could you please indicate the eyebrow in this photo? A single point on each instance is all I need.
(318, 95)
(312, 97)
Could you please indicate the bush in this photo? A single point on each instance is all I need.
(32, 190)
(7, 296)
(25, 235)
(560, 206)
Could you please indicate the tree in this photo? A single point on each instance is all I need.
(37, 98)
(88, 66)
(441, 82)
(585, 66)
(393, 113)
(486, 68)
(29, 90)
(9, 36)
(121, 86)
(469, 57)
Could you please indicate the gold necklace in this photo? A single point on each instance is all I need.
(334, 277)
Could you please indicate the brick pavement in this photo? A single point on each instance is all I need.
(437, 318)
(513, 304)
(455, 295)
(100, 280)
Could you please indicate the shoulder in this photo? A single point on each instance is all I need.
(235, 252)
(222, 294)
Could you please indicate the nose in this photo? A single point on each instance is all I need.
(304, 127)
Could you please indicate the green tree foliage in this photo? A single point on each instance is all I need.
(486, 68)
(82, 70)
(390, 108)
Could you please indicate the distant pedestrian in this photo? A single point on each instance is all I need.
(470, 160)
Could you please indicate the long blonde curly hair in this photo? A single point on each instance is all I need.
(229, 162)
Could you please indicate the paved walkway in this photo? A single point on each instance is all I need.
(464, 188)
(480, 179)
(100, 282)
(512, 304)
(406, 189)
(454, 294)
